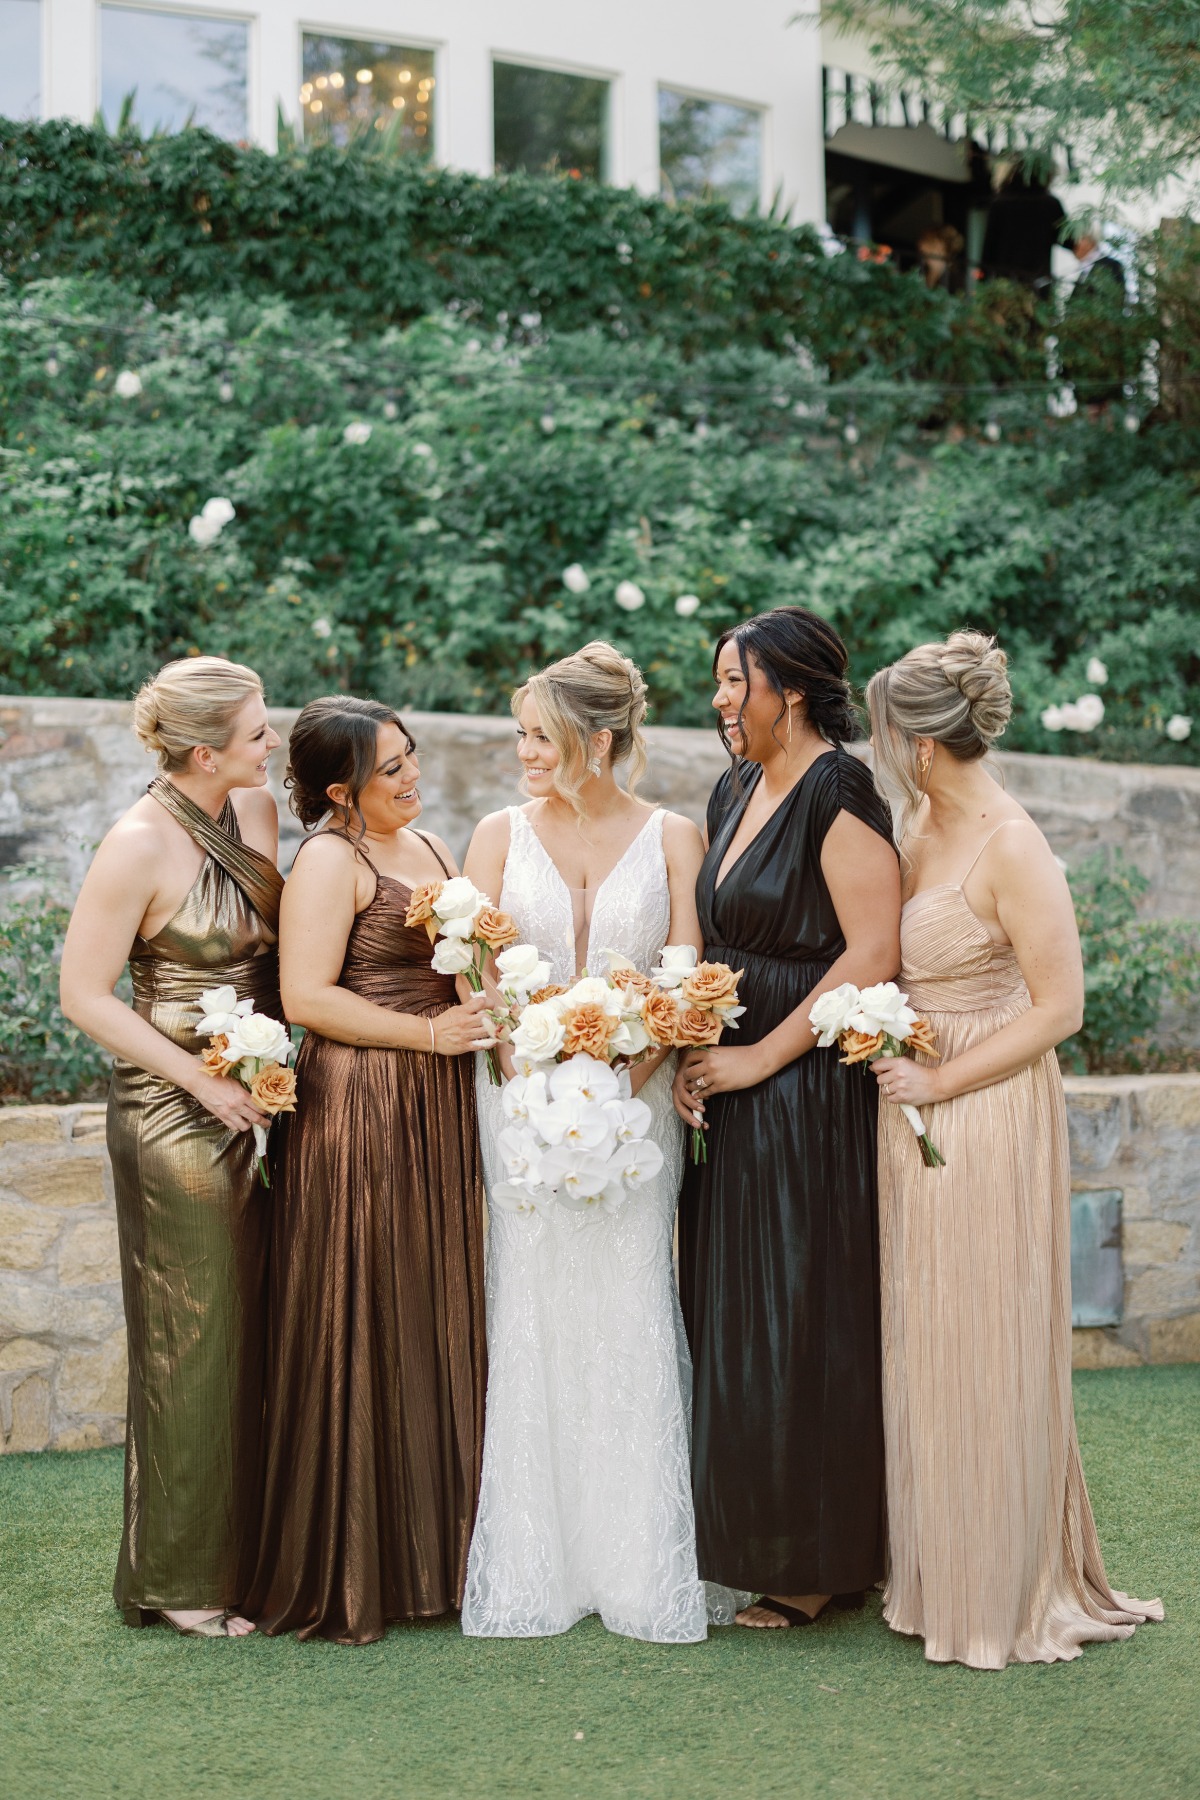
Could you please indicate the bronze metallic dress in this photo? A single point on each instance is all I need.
(377, 1351)
(193, 1221)
(994, 1553)
(778, 1240)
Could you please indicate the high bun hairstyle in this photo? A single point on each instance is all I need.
(596, 689)
(956, 693)
(335, 740)
(797, 650)
(191, 702)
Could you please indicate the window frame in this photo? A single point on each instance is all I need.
(762, 108)
(612, 173)
(181, 9)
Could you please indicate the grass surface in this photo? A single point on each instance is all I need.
(845, 1710)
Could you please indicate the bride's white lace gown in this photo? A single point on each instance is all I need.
(586, 1499)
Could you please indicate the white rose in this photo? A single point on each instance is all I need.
(538, 1035)
(520, 968)
(676, 962)
(593, 990)
(451, 956)
(1052, 718)
(1097, 672)
(882, 1008)
(1178, 727)
(830, 1013)
(356, 432)
(1089, 710)
(203, 531)
(128, 385)
(221, 1000)
(219, 509)
(322, 628)
(258, 1035)
(687, 604)
(629, 596)
(575, 579)
(459, 899)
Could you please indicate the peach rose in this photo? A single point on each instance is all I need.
(587, 1029)
(214, 1059)
(660, 1016)
(712, 986)
(634, 982)
(922, 1038)
(274, 1089)
(547, 993)
(496, 928)
(860, 1046)
(696, 1025)
(420, 907)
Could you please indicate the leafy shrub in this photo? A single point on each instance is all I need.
(1131, 967)
(42, 1055)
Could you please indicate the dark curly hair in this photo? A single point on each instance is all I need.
(796, 649)
(335, 740)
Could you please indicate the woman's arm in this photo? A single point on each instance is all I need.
(116, 894)
(325, 889)
(1034, 907)
(863, 878)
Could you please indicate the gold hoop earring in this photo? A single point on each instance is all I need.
(923, 766)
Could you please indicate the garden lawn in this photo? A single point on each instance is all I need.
(846, 1710)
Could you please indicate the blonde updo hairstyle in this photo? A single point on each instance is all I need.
(956, 693)
(191, 702)
(596, 689)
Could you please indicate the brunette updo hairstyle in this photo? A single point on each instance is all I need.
(335, 739)
(796, 649)
(595, 689)
(191, 702)
(956, 693)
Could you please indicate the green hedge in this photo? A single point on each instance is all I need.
(426, 563)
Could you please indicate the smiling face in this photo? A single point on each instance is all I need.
(388, 800)
(750, 711)
(242, 762)
(536, 754)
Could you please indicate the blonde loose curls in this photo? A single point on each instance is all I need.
(191, 702)
(596, 689)
(956, 693)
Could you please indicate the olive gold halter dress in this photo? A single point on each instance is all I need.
(194, 1227)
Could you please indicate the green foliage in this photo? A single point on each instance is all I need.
(426, 564)
(1131, 967)
(42, 1055)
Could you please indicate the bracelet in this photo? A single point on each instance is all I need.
(432, 1039)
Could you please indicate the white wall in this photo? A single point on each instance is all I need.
(750, 54)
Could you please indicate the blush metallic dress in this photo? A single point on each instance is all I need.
(778, 1240)
(376, 1340)
(194, 1222)
(994, 1554)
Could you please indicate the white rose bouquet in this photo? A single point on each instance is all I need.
(877, 1021)
(252, 1048)
(465, 929)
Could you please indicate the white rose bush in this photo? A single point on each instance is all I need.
(876, 1021)
(252, 1048)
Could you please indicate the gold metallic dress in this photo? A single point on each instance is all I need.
(376, 1342)
(193, 1221)
(993, 1549)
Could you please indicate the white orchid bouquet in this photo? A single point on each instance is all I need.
(465, 928)
(877, 1021)
(252, 1048)
(575, 1138)
(695, 1002)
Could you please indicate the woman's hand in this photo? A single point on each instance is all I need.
(907, 1083)
(461, 1028)
(227, 1100)
(703, 1073)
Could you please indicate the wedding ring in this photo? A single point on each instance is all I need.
(700, 1082)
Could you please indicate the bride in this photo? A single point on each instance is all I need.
(586, 1501)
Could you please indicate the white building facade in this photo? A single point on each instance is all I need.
(681, 96)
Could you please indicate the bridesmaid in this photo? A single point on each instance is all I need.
(994, 1555)
(778, 1243)
(376, 1360)
(185, 888)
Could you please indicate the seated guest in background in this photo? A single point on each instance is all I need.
(1024, 224)
(185, 888)
(940, 248)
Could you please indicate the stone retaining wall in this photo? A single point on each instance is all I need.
(62, 1338)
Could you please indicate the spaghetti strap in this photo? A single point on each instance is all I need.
(987, 840)
(441, 865)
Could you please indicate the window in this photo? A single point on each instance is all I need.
(709, 148)
(351, 84)
(179, 67)
(20, 59)
(547, 121)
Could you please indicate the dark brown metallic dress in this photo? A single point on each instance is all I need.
(376, 1345)
(194, 1223)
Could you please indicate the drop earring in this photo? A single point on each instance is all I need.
(791, 709)
(923, 765)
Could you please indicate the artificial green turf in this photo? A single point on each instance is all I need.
(845, 1710)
